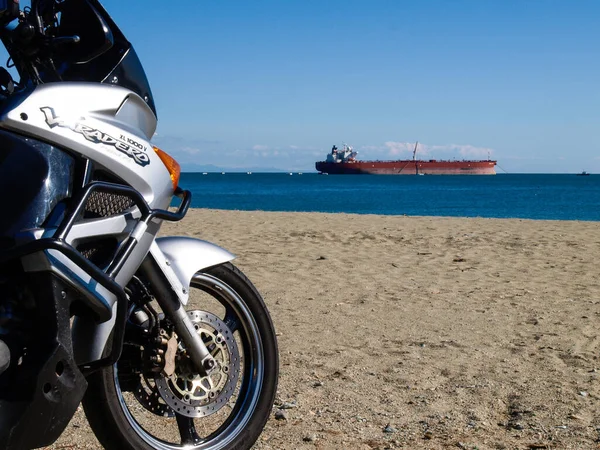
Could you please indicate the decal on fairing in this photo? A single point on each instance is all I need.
(124, 144)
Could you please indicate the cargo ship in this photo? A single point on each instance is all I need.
(345, 162)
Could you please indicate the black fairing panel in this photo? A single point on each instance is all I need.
(104, 53)
(34, 178)
(130, 74)
(39, 395)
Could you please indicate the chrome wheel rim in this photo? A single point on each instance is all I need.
(239, 318)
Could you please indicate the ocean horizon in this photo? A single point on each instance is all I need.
(525, 196)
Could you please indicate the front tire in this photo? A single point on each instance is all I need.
(120, 423)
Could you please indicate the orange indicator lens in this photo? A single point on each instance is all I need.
(171, 165)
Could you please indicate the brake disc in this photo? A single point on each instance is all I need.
(143, 388)
(192, 395)
(147, 395)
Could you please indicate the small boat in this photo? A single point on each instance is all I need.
(248, 173)
(583, 174)
(204, 173)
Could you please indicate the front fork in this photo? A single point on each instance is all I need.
(171, 295)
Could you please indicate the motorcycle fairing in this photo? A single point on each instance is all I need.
(47, 391)
(103, 53)
(34, 178)
(103, 123)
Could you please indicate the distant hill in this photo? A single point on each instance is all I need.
(187, 168)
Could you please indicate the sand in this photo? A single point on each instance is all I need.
(419, 332)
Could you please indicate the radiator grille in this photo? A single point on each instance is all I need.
(103, 204)
(100, 252)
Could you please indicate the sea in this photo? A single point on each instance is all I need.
(525, 196)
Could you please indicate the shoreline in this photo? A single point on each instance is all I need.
(217, 210)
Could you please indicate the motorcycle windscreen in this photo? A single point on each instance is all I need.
(34, 178)
(103, 54)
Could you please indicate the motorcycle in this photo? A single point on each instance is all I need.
(162, 339)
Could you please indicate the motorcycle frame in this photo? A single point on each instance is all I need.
(62, 113)
(102, 127)
(52, 248)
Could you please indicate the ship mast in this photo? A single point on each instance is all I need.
(415, 158)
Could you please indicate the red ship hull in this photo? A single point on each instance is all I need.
(408, 167)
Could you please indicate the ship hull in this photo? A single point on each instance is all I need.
(408, 167)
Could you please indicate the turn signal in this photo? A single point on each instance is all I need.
(171, 165)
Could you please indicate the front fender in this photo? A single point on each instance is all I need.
(186, 256)
(179, 258)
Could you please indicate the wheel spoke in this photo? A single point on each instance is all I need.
(231, 320)
(237, 331)
(187, 430)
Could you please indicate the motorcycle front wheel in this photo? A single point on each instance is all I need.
(127, 409)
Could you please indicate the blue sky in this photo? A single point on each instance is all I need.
(267, 83)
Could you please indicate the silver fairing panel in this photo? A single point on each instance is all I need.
(179, 258)
(112, 127)
(108, 124)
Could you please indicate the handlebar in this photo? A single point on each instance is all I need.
(9, 11)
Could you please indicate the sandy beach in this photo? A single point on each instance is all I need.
(420, 332)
